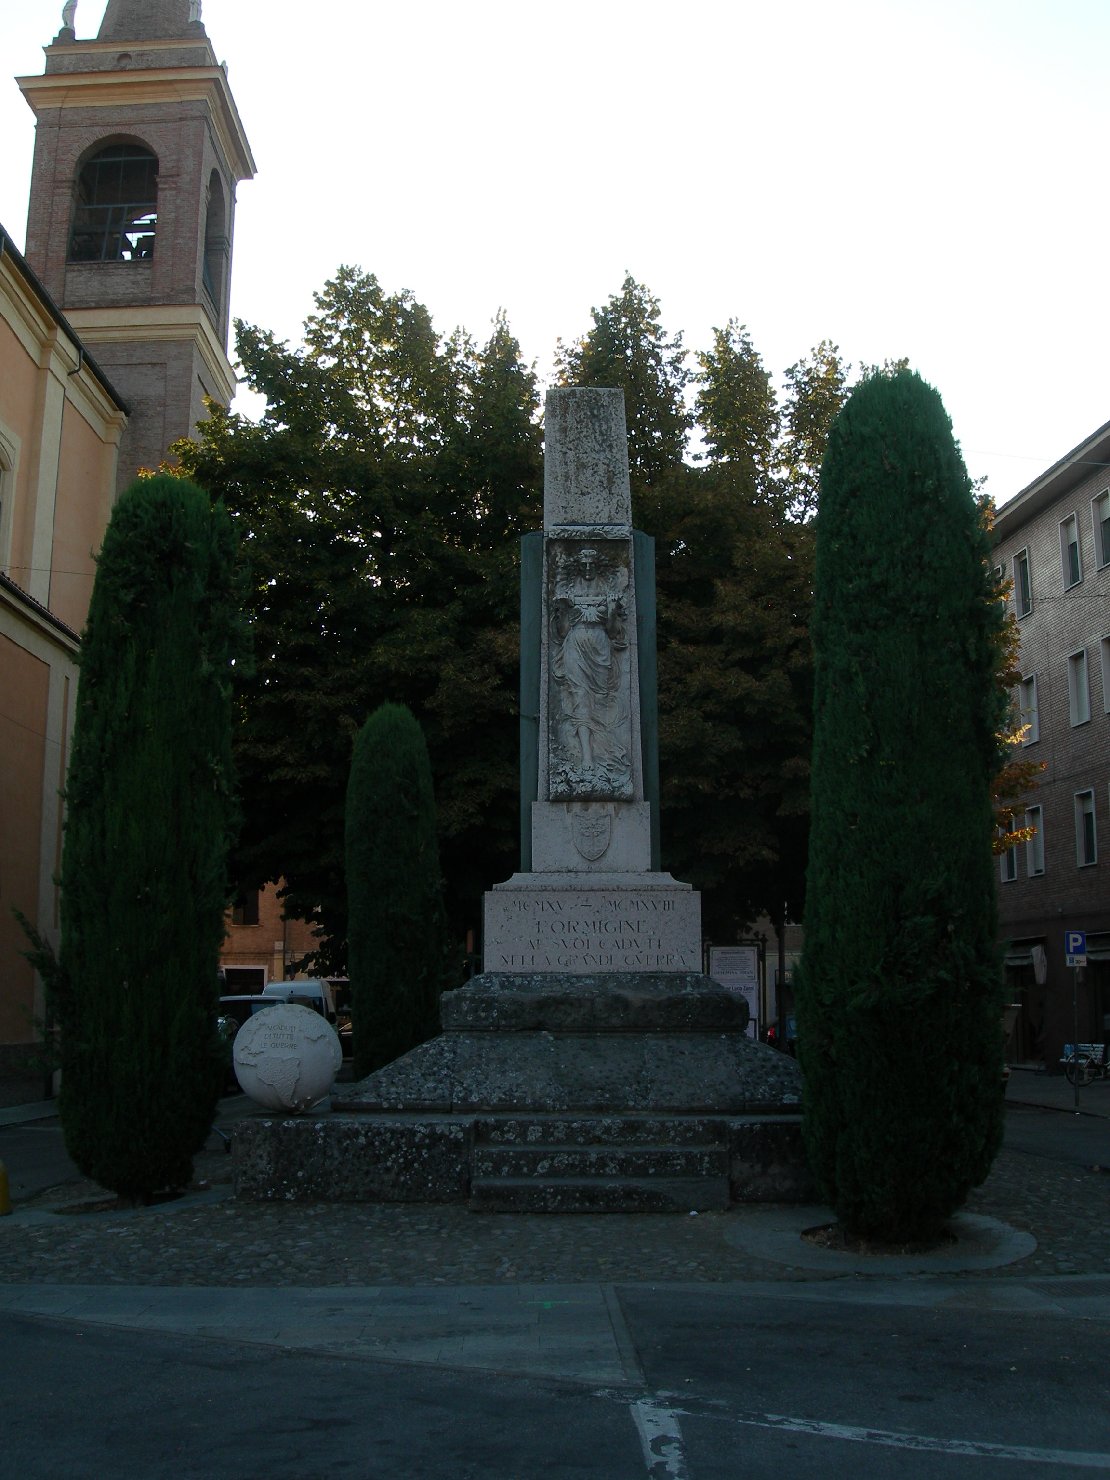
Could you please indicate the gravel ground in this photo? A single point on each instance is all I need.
(209, 1239)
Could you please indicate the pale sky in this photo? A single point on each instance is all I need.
(905, 177)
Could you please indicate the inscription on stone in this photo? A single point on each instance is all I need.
(591, 931)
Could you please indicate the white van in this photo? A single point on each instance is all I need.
(313, 991)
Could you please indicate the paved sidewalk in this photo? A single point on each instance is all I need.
(64, 1235)
(1053, 1092)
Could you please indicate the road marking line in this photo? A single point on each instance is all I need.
(660, 1439)
(1078, 1459)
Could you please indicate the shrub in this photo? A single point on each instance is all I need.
(149, 814)
(396, 930)
(900, 991)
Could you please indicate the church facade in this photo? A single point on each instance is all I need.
(113, 334)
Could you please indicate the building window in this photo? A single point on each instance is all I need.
(1086, 840)
(245, 909)
(1027, 708)
(1034, 848)
(1104, 652)
(1079, 692)
(116, 210)
(9, 453)
(1070, 566)
(1008, 863)
(216, 246)
(1023, 590)
(1100, 518)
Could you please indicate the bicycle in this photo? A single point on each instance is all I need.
(1085, 1062)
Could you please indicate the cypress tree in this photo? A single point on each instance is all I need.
(396, 931)
(900, 993)
(149, 811)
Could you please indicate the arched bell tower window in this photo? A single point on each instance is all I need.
(116, 210)
(216, 246)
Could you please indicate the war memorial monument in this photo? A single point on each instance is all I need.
(591, 1066)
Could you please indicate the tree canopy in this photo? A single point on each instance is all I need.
(380, 499)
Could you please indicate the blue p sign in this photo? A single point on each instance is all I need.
(1075, 947)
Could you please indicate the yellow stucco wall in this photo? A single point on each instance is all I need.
(24, 694)
(60, 428)
(86, 480)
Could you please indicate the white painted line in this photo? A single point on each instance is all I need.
(1076, 1458)
(660, 1439)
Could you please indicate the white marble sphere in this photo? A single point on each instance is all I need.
(286, 1057)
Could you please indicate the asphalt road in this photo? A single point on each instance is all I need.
(912, 1378)
(722, 1383)
(1079, 1140)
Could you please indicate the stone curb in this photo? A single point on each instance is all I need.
(776, 1234)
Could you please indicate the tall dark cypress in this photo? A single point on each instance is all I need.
(149, 814)
(396, 932)
(900, 991)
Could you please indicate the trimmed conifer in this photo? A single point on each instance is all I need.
(900, 991)
(149, 814)
(396, 927)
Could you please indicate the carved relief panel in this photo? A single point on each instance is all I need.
(589, 687)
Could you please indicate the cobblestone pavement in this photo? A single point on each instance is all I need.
(208, 1238)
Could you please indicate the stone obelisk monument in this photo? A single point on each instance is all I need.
(591, 1066)
(590, 898)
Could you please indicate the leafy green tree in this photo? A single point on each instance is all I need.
(380, 500)
(900, 965)
(816, 388)
(396, 924)
(628, 347)
(734, 698)
(149, 817)
(737, 410)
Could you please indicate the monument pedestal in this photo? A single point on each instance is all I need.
(608, 1093)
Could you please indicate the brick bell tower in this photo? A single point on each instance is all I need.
(138, 153)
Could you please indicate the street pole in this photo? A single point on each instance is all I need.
(1076, 982)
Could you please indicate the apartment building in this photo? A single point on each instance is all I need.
(1053, 543)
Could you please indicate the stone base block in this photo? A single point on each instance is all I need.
(346, 1159)
(526, 1163)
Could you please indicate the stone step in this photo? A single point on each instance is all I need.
(580, 1162)
(598, 1130)
(595, 1195)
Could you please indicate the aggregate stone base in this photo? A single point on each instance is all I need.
(604, 1094)
(524, 1163)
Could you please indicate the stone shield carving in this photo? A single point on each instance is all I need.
(590, 830)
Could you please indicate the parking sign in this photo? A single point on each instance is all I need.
(1075, 947)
